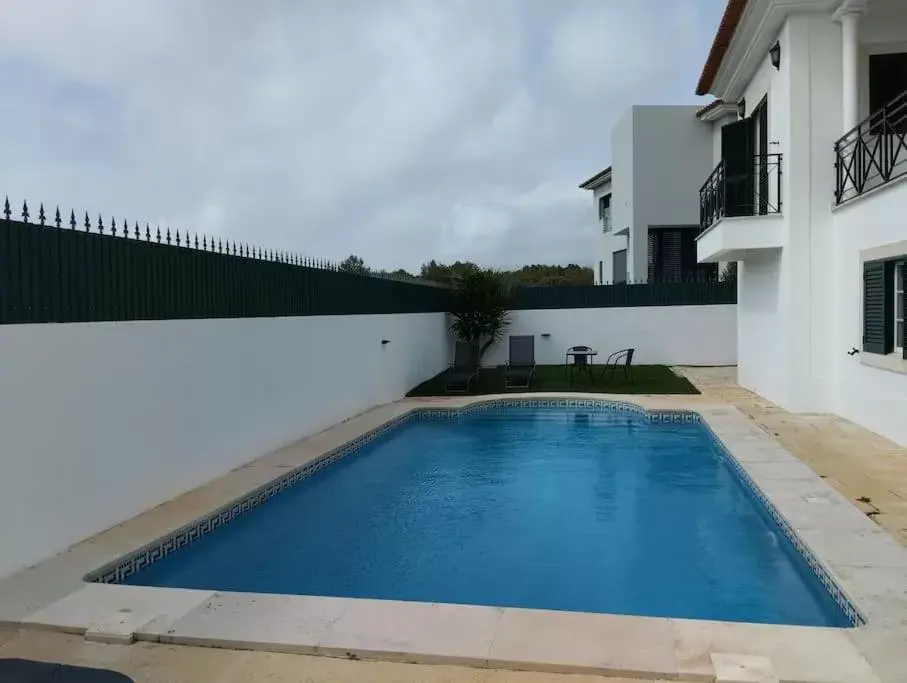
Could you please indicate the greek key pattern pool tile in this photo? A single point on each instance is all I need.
(121, 569)
(817, 567)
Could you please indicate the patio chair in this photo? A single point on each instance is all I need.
(463, 370)
(619, 360)
(520, 368)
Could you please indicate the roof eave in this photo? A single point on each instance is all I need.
(597, 180)
(733, 12)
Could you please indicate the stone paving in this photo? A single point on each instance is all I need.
(156, 663)
(868, 469)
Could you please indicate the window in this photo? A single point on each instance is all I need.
(888, 80)
(884, 306)
(604, 212)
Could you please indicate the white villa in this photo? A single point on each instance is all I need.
(643, 235)
(808, 195)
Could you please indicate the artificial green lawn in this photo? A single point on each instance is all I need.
(647, 379)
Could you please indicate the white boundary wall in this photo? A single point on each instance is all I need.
(101, 421)
(663, 335)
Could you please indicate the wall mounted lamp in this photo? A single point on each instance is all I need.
(775, 55)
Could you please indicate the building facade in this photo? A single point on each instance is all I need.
(647, 214)
(808, 196)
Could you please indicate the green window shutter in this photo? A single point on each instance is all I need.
(877, 307)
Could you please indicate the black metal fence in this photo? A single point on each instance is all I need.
(692, 293)
(76, 270)
(751, 188)
(873, 153)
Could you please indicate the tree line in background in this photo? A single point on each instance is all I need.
(526, 276)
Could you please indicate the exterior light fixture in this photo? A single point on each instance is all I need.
(741, 109)
(775, 54)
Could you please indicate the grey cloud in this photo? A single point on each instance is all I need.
(401, 130)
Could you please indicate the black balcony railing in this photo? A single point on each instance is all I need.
(873, 153)
(751, 188)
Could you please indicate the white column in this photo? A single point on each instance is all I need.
(850, 23)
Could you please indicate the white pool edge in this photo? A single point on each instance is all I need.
(868, 565)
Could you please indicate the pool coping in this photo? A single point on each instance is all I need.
(867, 564)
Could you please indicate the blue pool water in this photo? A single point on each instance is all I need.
(552, 508)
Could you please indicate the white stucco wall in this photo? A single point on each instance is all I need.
(866, 395)
(622, 179)
(669, 335)
(671, 160)
(762, 357)
(101, 421)
(804, 104)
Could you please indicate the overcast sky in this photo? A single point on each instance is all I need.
(400, 130)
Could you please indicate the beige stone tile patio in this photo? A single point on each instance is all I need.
(858, 463)
(159, 663)
(143, 662)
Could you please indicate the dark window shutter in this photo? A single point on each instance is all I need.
(877, 306)
(737, 153)
(672, 255)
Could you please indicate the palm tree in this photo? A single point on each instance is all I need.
(480, 309)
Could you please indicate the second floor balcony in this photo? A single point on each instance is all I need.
(873, 153)
(739, 208)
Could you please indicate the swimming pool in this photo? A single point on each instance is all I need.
(564, 508)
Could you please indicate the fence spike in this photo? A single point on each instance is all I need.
(125, 229)
(147, 233)
(177, 238)
(72, 219)
(196, 240)
(100, 224)
(113, 227)
(159, 234)
(25, 212)
(57, 218)
(6, 211)
(234, 247)
(136, 229)
(41, 216)
(168, 234)
(87, 223)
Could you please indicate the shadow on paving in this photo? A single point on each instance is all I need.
(30, 671)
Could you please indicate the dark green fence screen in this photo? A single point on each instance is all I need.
(694, 293)
(59, 274)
